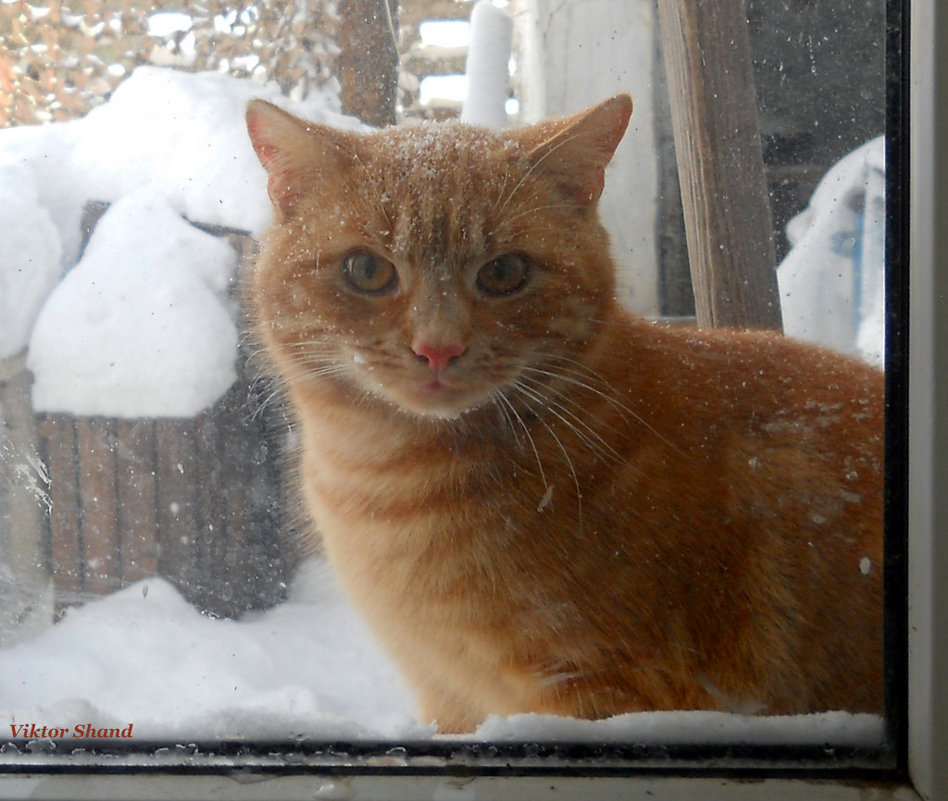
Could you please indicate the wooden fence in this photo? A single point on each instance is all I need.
(197, 501)
(201, 502)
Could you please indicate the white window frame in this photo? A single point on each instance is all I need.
(927, 777)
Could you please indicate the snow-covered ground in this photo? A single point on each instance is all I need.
(307, 668)
(118, 335)
(145, 656)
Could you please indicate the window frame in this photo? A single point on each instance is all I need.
(921, 198)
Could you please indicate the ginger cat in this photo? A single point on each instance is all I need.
(539, 502)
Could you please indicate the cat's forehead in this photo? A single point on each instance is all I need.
(445, 145)
(438, 187)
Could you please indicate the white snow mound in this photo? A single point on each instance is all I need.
(30, 254)
(143, 325)
(184, 134)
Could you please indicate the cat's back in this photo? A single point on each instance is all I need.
(752, 471)
(784, 427)
(704, 388)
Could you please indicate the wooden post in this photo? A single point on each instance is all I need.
(99, 530)
(26, 597)
(368, 59)
(721, 171)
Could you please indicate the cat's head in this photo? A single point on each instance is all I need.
(434, 266)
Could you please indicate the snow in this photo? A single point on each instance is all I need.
(185, 135)
(30, 254)
(307, 668)
(487, 71)
(443, 91)
(832, 283)
(145, 656)
(98, 348)
(447, 36)
(143, 325)
(168, 23)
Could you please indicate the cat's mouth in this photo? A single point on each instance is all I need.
(438, 397)
(435, 386)
(441, 397)
(445, 394)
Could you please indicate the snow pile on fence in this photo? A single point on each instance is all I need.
(30, 256)
(143, 326)
(181, 137)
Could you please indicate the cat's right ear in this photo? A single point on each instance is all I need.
(296, 154)
(575, 150)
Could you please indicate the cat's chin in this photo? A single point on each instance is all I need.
(435, 401)
(440, 406)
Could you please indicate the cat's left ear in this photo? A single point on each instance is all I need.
(575, 150)
(296, 154)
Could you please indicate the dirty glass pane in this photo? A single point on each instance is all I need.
(159, 579)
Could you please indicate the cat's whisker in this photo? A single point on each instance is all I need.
(505, 403)
(611, 398)
(500, 403)
(275, 393)
(313, 370)
(589, 435)
(569, 462)
(578, 379)
(316, 344)
(258, 360)
(503, 186)
(536, 210)
(262, 402)
(552, 406)
(577, 368)
(324, 370)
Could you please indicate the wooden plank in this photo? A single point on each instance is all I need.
(720, 164)
(138, 524)
(275, 552)
(254, 524)
(27, 602)
(58, 443)
(178, 473)
(233, 578)
(421, 64)
(210, 544)
(368, 59)
(99, 503)
(274, 508)
(25, 478)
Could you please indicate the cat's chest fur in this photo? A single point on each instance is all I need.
(540, 503)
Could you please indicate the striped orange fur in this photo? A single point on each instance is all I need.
(539, 502)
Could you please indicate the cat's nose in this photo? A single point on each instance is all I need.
(437, 356)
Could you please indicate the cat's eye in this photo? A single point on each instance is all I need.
(504, 275)
(369, 273)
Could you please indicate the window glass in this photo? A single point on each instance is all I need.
(158, 581)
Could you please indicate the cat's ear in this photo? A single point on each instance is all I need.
(575, 150)
(295, 153)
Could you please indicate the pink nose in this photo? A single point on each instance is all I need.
(437, 356)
